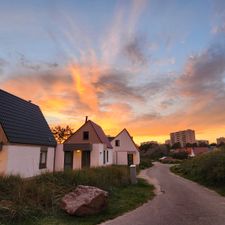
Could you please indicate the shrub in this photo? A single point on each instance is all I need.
(207, 168)
(179, 155)
(145, 163)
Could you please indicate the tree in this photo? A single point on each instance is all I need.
(61, 133)
(179, 155)
(213, 144)
(203, 144)
(221, 144)
(191, 145)
(176, 145)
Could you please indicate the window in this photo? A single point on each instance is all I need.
(117, 142)
(107, 156)
(104, 157)
(85, 135)
(43, 158)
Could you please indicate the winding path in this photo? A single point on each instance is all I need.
(178, 202)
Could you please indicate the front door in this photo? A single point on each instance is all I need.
(68, 160)
(130, 159)
(86, 159)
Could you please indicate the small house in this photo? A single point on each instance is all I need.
(87, 147)
(125, 151)
(195, 151)
(27, 146)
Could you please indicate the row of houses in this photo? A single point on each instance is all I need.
(28, 147)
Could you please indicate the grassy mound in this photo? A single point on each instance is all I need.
(34, 200)
(207, 169)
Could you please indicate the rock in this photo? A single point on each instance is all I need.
(84, 200)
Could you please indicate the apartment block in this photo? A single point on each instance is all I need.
(183, 137)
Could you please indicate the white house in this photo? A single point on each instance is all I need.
(27, 146)
(125, 151)
(87, 147)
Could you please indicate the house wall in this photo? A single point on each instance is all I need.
(126, 146)
(121, 158)
(24, 160)
(3, 159)
(97, 155)
(78, 136)
(59, 158)
(110, 162)
(3, 137)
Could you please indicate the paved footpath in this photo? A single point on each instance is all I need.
(178, 202)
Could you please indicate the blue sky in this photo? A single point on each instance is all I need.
(124, 63)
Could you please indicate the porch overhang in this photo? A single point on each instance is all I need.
(79, 146)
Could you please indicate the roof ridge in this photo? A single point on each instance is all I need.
(103, 139)
(124, 129)
(13, 95)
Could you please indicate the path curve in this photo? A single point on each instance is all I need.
(178, 202)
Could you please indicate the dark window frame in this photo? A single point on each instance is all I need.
(104, 157)
(117, 143)
(107, 156)
(85, 135)
(43, 151)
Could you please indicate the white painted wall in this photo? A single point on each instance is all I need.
(126, 146)
(95, 161)
(3, 159)
(24, 160)
(97, 155)
(59, 158)
(121, 158)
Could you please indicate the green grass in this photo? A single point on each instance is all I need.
(36, 201)
(121, 200)
(206, 169)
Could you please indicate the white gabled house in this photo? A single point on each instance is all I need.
(87, 147)
(27, 146)
(125, 151)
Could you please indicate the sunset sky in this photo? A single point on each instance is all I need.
(153, 67)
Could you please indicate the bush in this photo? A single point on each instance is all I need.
(145, 163)
(29, 199)
(179, 155)
(207, 168)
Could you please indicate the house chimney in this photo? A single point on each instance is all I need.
(86, 119)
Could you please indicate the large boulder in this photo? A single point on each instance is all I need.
(84, 200)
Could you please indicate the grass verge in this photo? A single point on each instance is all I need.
(121, 200)
(36, 201)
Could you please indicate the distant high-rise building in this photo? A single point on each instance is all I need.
(220, 140)
(183, 137)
